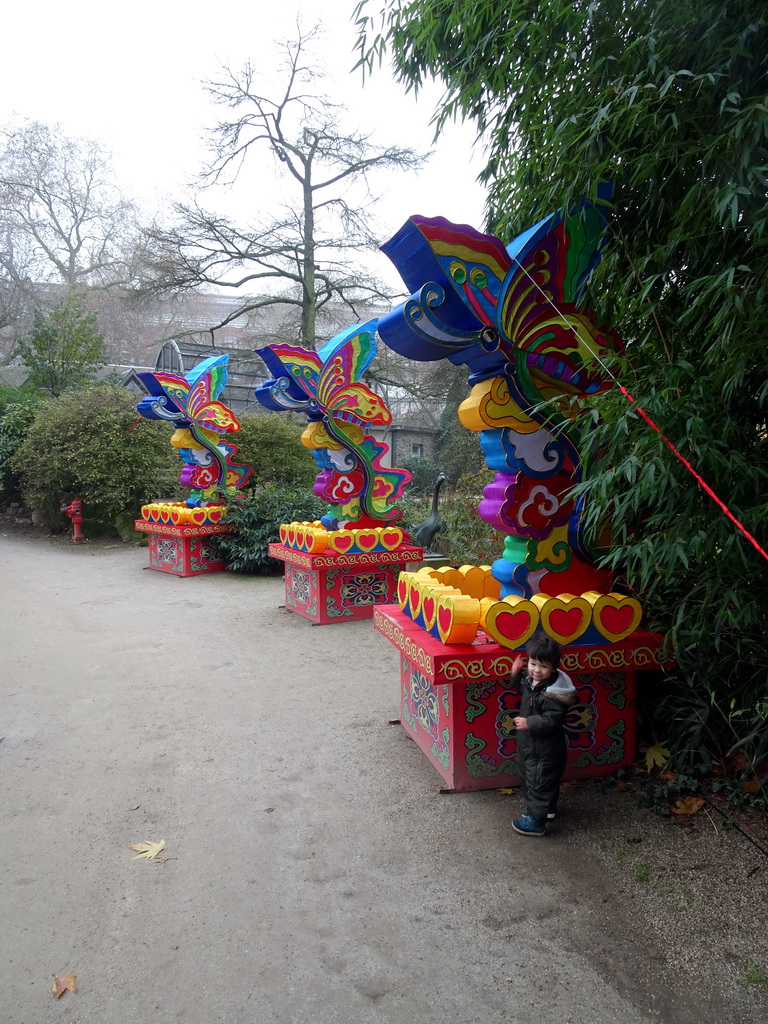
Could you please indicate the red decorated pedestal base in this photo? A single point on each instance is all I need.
(330, 587)
(182, 550)
(456, 703)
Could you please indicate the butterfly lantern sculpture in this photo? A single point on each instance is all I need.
(341, 412)
(512, 315)
(202, 424)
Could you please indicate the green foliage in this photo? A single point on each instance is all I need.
(82, 445)
(63, 347)
(756, 976)
(460, 451)
(18, 408)
(271, 444)
(257, 520)
(464, 538)
(669, 100)
(424, 474)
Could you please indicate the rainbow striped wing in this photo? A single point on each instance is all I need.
(207, 413)
(301, 365)
(339, 389)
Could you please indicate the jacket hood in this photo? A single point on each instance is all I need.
(562, 689)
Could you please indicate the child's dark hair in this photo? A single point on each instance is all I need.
(543, 648)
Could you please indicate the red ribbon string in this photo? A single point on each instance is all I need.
(693, 472)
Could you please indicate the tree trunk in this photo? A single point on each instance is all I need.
(308, 298)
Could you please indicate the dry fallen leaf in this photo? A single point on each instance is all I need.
(162, 860)
(134, 808)
(752, 786)
(656, 756)
(61, 984)
(687, 805)
(147, 851)
(271, 769)
(506, 792)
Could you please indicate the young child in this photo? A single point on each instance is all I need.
(547, 693)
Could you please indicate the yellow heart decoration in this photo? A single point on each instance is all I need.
(511, 622)
(614, 615)
(565, 617)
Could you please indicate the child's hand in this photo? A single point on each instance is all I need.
(517, 664)
(521, 723)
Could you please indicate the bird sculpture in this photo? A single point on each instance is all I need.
(424, 533)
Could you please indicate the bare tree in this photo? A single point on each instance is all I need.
(305, 256)
(61, 217)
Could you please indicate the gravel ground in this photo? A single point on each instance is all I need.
(698, 888)
(671, 911)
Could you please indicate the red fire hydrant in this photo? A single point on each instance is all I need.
(75, 512)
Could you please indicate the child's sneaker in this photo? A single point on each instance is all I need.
(528, 826)
(551, 816)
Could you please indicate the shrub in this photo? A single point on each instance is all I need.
(257, 520)
(464, 538)
(18, 408)
(271, 444)
(424, 474)
(87, 444)
(64, 346)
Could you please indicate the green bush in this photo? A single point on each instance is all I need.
(424, 474)
(464, 538)
(271, 445)
(257, 520)
(18, 408)
(83, 445)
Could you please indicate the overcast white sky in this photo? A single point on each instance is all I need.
(130, 75)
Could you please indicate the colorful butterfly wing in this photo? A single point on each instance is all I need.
(473, 264)
(177, 388)
(204, 412)
(454, 274)
(539, 308)
(300, 365)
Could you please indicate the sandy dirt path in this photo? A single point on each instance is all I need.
(316, 874)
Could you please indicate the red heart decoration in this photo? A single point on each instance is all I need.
(444, 618)
(511, 622)
(366, 540)
(391, 538)
(617, 619)
(565, 621)
(428, 609)
(342, 542)
(291, 537)
(513, 625)
(615, 615)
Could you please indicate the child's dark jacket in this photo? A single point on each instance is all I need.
(545, 706)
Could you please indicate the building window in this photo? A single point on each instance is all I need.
(417, 451)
